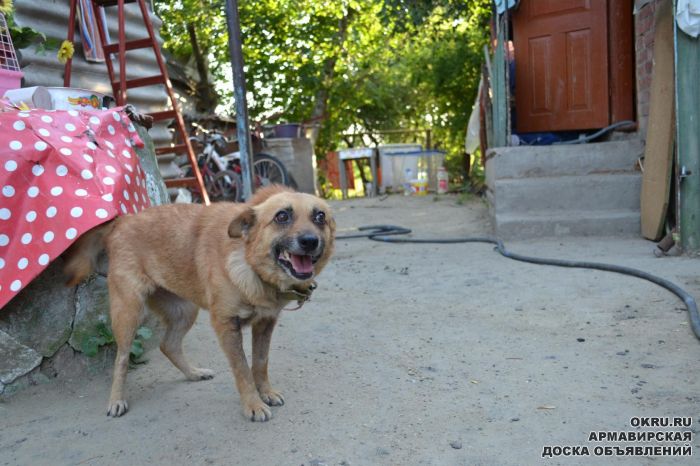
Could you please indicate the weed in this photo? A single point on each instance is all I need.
(104, 336)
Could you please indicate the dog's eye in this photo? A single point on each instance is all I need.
(320, 218)
(282, 217)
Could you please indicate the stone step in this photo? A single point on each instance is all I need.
(567, 193)
(567, 223)
(558, 160)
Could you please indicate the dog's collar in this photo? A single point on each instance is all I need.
(300, 296)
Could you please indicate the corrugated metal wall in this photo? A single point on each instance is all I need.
(43, 69)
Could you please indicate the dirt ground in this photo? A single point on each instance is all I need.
(409, 355)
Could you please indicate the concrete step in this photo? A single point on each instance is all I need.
(567, 223)
(558, 160)
(567, 193)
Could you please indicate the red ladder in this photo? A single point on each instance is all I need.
(120, 86)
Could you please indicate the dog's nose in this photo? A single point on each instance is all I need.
(308, 242)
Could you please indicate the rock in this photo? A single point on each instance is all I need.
(41, 315)
(16, 359)
(91, 309)
(154, 181)
(457, 445)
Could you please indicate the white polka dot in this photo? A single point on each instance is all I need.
(22, 263)
(71, 233)
(126, 194)
(51, 212)
(66, 151)
(8, 191)
(33, 191)
(111, 130)
(109, 144)
(126, 154)
(91, 145)
(4, 240)
(5, 213)
(101, 213)
(127, 142)
(123, 207)
(56, 191)
(43, 259)
(87, 158)
(144, 198)
(128, 167)
(67, 139)
(110, 169)
(70, 126)
(40, 145)
(48, 236)
(44, 132)
(23, 114)
(2, 263)
(138, 181)
(31, 216)
(37, 169)
(76, 212)
(26, 238)
(86, 174)
(131, 127)
(108, 181)
(61, 170)
(136, 209)
(46, 119)
(73, 113)
(19, 125)
(81, 193)
(110, 153)
(116, 116)
(108, 197)
(127, 178)
(15, 145)
(10, 165)
(94, 120)
(16, 285)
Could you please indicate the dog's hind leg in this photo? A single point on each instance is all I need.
(178, 315)
(126, 305)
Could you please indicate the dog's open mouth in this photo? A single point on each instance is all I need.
(297, 265)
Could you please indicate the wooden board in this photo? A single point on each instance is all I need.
(658, 154)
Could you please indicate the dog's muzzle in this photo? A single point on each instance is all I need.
(298, 255)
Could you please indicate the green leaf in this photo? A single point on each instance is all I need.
(144, 332)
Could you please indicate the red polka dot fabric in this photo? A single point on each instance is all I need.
(61, 174)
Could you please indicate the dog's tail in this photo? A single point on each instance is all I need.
(81, 257)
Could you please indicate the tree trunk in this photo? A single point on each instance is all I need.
(205, 96)
(318, 116)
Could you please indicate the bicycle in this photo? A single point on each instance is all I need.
(222, 173)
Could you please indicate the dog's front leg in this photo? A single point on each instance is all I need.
(228, 330)
(262, 333)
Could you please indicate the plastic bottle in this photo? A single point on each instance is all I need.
(442, 179)
(408, 176)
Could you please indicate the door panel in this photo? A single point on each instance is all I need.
(561, 65)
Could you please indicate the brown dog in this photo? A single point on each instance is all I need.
(242, 262)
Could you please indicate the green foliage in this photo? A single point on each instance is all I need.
(379, 64)
(104, 336)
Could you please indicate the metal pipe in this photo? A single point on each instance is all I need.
(239, 93)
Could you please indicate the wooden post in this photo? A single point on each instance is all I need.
(688, 139)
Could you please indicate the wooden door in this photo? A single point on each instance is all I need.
(561, 65)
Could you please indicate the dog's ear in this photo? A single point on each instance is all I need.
(240, 225)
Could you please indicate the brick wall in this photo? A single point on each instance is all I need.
(644, 51)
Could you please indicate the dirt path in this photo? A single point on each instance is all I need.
(408, 354)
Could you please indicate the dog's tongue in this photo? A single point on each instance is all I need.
(302, 264)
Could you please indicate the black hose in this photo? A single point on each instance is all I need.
(387, 233)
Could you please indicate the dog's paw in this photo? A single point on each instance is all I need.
(199, 373)
(272, 397)
(257, 411)
(117, 408)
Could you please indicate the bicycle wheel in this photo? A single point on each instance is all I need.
(268, 170)
(225, 186)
